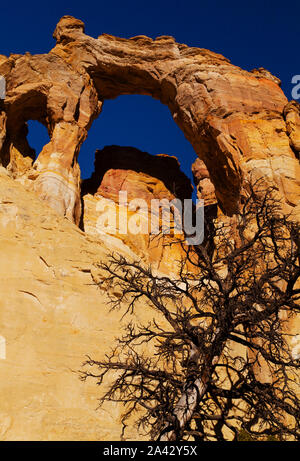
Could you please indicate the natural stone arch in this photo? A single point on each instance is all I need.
(45, 88)
(234, 119)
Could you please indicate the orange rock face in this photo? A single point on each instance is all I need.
(292, 117)
(237, 121)
(143, 178)
(156, 176)
(205, 188)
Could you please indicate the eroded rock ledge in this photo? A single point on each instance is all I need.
(237, 121)
(143, 177)
(154, 174)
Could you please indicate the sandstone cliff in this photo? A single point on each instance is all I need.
(51, 312)
(237, 121)
(143, 177)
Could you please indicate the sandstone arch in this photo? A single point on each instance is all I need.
(236, 120)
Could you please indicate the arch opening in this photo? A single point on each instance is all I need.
(141, 122)
(22, 146)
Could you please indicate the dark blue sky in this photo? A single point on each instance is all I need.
(264, 33)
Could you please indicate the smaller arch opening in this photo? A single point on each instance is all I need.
(28, 138)
(37, 136)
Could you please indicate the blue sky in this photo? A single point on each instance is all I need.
(259, 34)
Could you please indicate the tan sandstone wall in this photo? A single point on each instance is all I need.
(51, 315)
(51, 311)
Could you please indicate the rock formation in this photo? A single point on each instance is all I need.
(163, 169)
(51, 315)
(237, 121)
(51, 312)
(143, 177)
(292, 118)
(205, 188)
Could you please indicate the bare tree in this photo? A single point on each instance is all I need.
(216, 358)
